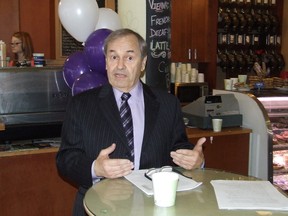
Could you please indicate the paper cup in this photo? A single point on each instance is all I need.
(164, 188)
(227, 84)
(217, 125)
(200, 77)
(242, 78)
(234, 80)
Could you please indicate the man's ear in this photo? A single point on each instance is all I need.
(143, 64)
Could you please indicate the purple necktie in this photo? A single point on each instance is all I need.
(126, 117)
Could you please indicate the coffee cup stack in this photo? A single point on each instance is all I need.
(200, 77)
(185, 73)
(194, 75)
(178, 78)
(173, 72)
(2, 54)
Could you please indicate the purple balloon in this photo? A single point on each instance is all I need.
(74, 66)
(88, 81)
(103, 74)
(94, 50)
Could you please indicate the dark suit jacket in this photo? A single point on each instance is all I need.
(93, 123)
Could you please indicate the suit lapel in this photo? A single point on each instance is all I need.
(151, 113)
(110, 110)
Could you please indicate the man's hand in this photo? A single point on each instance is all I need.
(189, 159)
(111, 168)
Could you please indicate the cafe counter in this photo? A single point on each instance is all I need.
(30, 184)
(226, 150)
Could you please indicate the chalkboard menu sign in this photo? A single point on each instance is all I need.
(70, 44)
(158, 25)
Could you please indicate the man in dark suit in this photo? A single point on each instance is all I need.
(94, 145)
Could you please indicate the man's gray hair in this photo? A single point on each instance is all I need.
(125, 32)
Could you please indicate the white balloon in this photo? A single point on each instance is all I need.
(79, 17)
(108, 19)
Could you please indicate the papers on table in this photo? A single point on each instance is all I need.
(139, 180)
(236, 194)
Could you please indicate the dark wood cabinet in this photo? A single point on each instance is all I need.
(190, 31)
(179, 30)
(194, 35)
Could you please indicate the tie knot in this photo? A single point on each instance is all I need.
(125, 96)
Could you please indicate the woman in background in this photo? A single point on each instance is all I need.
(22, 47)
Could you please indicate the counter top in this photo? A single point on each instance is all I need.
(263, 92)
(197, 132)
(28, 152)
(31, 69)
(191, 133)
(30, 147)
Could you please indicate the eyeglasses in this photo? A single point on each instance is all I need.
(148, 174)
(15, 44)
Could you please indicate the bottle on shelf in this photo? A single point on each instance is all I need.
(2, 54)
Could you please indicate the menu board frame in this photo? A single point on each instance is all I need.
(158, 25)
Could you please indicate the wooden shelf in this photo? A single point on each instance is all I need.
(28, 152)
(197, 133)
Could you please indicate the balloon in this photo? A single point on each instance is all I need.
(94, 50)
(104, 74)
(88, 81)
(108, 19)
(75, 65)
(79, 17)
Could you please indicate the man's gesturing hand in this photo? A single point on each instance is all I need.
(111, 168)
(189, 159)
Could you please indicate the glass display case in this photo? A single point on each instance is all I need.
(277, 110)
(265, 112)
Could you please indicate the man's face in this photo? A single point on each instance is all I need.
(124, 63)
